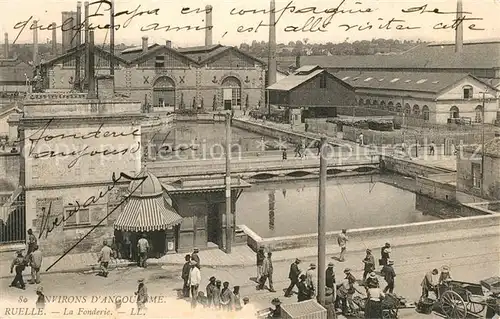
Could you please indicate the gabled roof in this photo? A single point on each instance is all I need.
(430, 82)
(132, 53)
(162, 48)
(484, 54)
(76, 51)
(306, 69)
(8, 108)
(210, 54)
(292, 81)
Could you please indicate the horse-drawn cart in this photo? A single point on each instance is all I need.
(461, 299)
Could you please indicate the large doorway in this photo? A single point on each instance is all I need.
(231, 93)
(214, 225)
(164, 92)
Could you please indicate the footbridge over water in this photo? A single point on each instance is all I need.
(263, 167)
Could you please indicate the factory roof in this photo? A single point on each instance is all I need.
(484, 54)
(132, 53)
(81, 50)
(17, 73)
(300, 77)
(205, 54)
(162, 48)
(430, 82)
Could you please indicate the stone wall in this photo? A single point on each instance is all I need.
(409, 168)
(10, 166)
(438, 189)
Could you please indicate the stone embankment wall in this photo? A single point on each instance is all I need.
(409, 168)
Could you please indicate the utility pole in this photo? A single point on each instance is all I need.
(229, 233)
(112, 39)
(482, 144)
(322, 221)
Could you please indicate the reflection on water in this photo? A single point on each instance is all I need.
(291, 208)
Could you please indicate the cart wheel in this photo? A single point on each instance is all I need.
(475, 308)
(453, 305)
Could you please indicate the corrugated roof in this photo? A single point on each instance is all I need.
(484, 54)
(307, 69)
(292, 81)
(16, 73)
(132, 53)
(402, 81)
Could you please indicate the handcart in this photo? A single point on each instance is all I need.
(390, 306)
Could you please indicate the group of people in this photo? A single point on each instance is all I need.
(32, 259)
(218, 294)
(433, 281)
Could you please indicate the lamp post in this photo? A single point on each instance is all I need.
(321, 222)
(229, 233)
(482, 143)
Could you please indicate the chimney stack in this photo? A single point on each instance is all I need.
(54, 39)
(168, 44)
(6, 46)
(91, 75)
(112, 37)
(459, 32)
(86, 16)
(145, 44)
(271, 65)
(208, 25)
(78, 42)
(35, 43)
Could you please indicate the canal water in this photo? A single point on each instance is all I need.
(290, 208)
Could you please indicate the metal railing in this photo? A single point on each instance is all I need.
(13, 219)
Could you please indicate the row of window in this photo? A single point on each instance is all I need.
(415, 111)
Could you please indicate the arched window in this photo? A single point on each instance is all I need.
(407, 109)
(425, 112)
(164, 92)
(390, 106)
(416, 110)
(360, 102)
(367, 102)
(382, 105)
(398, 107)
(231, 92)
(479, 114)
(454, 112)
(468, 92)
(375, 103)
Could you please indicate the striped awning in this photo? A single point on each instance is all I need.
(147, 214)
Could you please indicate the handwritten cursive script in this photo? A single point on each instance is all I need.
(84, 151)
(47, 228)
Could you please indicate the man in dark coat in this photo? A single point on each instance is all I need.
(369, 264)
(385, 254)
(195, 257)
(185, 276)
(330, 276)
(293, 275)
(304, 291)
(260, 262)
(389, 275)
(211, 291)
(19, 263)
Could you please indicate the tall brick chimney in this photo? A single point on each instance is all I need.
(54, 39)
(90, 67)
(144, 44)
(86, 16)
(208, 25)
(78, 42)
(168, 44)
(6, 46)
(459, 32)
(271, 65)
(35, 43)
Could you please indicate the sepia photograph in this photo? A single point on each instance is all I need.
(259, 159)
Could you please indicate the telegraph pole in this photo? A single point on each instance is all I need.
(482, 145)
(229, 233)
(321, 222)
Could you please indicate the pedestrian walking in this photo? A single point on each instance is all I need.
(237, 298)
(330, 276)
(226, 297)
(186, 269)
(342, 241)
(40, 300)
(361, 139)
(142, 295)
(293, 275)
(304, 291)
(143, 248)
(32, 241)
(105, 258)
(284, 155)
(195, 257)
(430, 282)
(311, 279)
(351, 280)
(261, 255)
(369, 264)
(267, 273)
(194, 281)
(389, 275)
(19, 263)
(35, 262)
(385, 253)
(431, 148)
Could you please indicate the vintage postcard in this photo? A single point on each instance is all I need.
(250, 159)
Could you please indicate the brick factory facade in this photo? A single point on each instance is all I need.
(213, 77)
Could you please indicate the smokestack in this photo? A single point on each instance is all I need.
(168, 44)
(91, 75)
(54, 39)
(112, 37)
(6, 46)
(144, 44)
(86, 16)
(35, 43)
(208, 25)
(459, 32)
(271, 65)
(78, 42)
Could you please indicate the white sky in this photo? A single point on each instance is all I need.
(49, 11)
